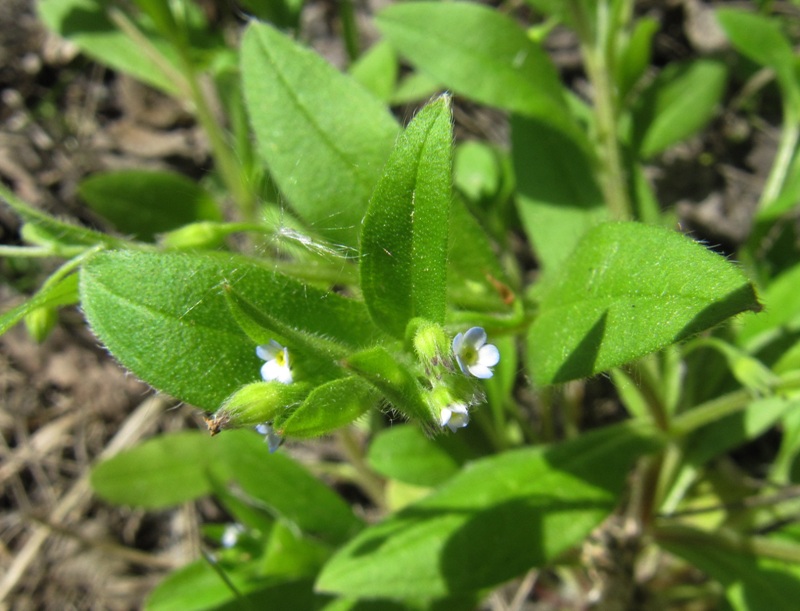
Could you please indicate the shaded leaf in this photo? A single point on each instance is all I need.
(493, 521)
(558, 197)
(143, 203)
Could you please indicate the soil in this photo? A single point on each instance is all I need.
(66, 403)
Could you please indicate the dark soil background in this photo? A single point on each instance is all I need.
(65, 403)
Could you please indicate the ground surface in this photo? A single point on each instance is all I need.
(65, 403)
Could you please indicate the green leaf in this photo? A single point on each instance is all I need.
(636, 55)
(404, 453)
(781, 312)
(475, 278)
(87, 24)
(377, 70)
(750, 582)
(559, 199)
(493, 521)
(396, 381)
(61, 293)
(260, 326)
(405, 231)
(284, 487)
(324, 138)
(677, 104)
(164, 316)
(51, 231)
(762, 40)
(329, 407)
(282, 13)
(159, 473)
(479, 53)
(199, 586)
(143, 203)
(628, 290)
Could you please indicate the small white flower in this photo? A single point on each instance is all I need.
(454, 417)
(230, 536)
(473, 354)
(271, 437)
(278, 364)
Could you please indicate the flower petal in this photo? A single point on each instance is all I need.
(476, 336)
(458, 342)
(488, 355)
(481, 371)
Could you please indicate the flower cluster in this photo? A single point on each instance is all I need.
(451, 392)
(452, 395)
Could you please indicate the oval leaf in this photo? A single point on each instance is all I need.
(628, 290)
(324, 138)
(144, 203)
(405, 236)
(159, 473)
(479, 53)
(165, 317)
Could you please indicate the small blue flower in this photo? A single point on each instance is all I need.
(454, 417)
(278, 364)
(473, 355)
(271, 436)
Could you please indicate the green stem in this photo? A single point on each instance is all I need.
(728, 540)
(187, 82)
(787, 147)
(726, 405)
(598, 52)
(350, 30)
(229, 168)
(369, 482)
(37, 251)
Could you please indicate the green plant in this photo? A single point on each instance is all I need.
(375, 285)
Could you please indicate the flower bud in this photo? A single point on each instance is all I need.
(431, 346)
(256, 403)
(40, 323)
(203, 234)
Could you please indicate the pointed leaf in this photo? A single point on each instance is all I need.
(677, 104)
(495, 520)
(61, 293)
(628, 290)
(405, 234)
(86, 23)
(324, 138)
